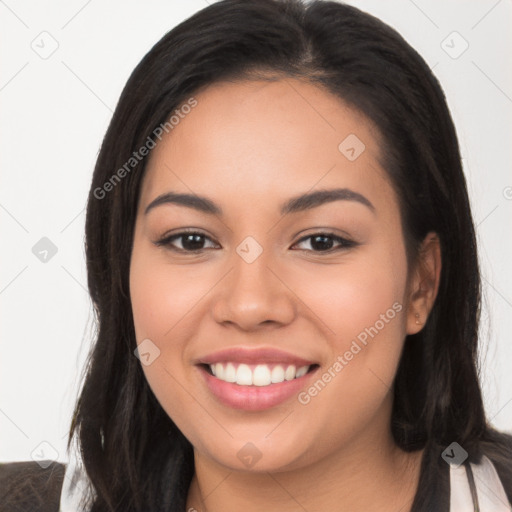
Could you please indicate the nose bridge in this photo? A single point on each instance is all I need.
(252, 294)
(251, 260)
(251, 274)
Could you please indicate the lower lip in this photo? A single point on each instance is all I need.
(253, 398)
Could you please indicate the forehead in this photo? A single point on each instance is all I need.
(266, 139)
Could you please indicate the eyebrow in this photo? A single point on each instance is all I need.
(295, 204)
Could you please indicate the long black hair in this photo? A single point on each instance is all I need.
(134, 455)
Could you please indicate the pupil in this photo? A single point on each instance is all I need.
(322, 244)
(193, 242)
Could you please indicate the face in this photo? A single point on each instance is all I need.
(272, 335)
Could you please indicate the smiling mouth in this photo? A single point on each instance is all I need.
(260, 375)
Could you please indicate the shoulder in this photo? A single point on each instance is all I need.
(498, 448)
(28, 486)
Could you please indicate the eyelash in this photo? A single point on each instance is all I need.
(344, 242)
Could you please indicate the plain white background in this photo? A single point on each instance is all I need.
(55, 110)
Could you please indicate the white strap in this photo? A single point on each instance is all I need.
(490, 491)
(460, 493)
(75, 486)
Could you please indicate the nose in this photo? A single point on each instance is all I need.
(253, 294)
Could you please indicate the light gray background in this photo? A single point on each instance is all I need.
(55, 111)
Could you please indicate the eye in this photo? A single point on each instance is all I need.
(193, 242)
(323, 242)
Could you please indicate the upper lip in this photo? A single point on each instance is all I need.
(254, 356)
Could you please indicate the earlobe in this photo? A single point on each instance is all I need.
(425, 284)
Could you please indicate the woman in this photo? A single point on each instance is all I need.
(282, 259)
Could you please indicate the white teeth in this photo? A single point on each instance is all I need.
(301, 371)
(230, 373)
(219, 371)
(260, 376)
(289, 374)
(243, 375)
(277, 374)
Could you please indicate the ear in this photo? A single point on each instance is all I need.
(424, 283)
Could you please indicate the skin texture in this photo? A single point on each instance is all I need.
(250, 146)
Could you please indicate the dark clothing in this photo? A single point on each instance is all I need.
(28, 487)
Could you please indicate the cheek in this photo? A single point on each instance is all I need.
(162, 296)
(360, 305)
(167, 301)
(362, 293)
(361, 309)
